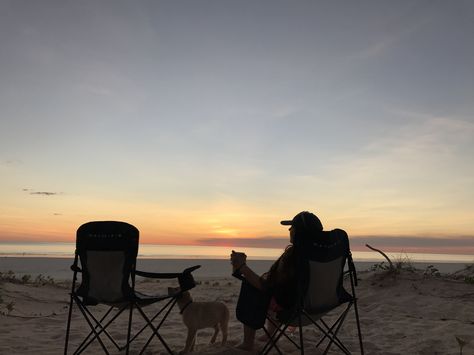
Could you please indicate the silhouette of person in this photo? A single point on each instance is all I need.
(275, 290)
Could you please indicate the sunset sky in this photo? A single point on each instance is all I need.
(207, 122)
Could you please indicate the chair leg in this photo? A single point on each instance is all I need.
(101, 329)
(155, 329)
(68, 327)
(277, 326)
(129, 327)
(358, 328)
(96, 335)
(353, 279)
(300, 326)
(272, 343)
(333, 336)
(152, 319)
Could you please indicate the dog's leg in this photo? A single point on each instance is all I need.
(224, 333)
(224, 328)
(189, 341)
(216, 331)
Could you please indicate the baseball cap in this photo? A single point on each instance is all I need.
(305, 220)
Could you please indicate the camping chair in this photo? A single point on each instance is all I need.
(105, 256)
(320, 291)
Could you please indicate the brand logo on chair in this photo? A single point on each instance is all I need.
(106, 235)
(331, 245)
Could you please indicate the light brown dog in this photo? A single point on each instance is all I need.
(199, 315)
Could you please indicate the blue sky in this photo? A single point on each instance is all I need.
(196, 119)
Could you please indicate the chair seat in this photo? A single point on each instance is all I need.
(144, 300)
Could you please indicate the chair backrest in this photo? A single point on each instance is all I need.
(325, 257)
(107, 251)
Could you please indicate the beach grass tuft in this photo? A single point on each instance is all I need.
(461, 343)
(39, 280)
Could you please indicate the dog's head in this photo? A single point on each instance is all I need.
(181, 297)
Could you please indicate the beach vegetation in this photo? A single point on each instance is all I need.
(403, 263)
(469, 274)
(461, 343)
(41, 280)
(10, 307)
(466, 275)
(469, 280)
(44, 280)
(382, 266)
(431, 271)
(8, 276)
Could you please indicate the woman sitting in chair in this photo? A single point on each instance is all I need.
(276, 290)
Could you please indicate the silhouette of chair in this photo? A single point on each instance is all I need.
(320, 292)
(105, 256)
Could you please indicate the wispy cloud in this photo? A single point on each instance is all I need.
(42, 193)
(422, 145)
(45, 193)
(97, 90)
(10, 162)
(382, 45)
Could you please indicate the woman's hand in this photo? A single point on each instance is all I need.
(237, 259)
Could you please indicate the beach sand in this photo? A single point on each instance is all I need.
(413, 312)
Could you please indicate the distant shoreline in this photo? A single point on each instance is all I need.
(59, 267)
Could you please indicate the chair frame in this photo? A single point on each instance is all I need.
(98, 326)
(328, 332)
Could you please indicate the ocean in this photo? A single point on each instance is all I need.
(155, 251)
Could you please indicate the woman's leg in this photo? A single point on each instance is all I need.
(251, 311)
(249, 339)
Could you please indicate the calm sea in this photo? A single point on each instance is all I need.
(155, 251)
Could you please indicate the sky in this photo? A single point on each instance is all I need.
(207, 122)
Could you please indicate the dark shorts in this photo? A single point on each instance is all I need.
(252, 306)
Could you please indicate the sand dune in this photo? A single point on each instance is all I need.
(410, 313)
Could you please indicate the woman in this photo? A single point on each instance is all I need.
(275, 290)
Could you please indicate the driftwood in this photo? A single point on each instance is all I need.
(383, 254)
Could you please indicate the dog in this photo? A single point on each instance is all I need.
(200, 315)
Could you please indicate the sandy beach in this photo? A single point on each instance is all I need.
(410, 312)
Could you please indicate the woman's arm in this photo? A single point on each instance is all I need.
(239, 264)
(251, 277)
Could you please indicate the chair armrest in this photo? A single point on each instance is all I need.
(185, 278)
(352, 268)
(157, 275)
(166, 275)
(76, 268)
(191, 269)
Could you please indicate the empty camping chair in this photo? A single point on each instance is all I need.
(105, 257)
(321, 292)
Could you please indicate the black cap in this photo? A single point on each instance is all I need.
(306, 221)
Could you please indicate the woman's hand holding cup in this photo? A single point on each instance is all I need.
(237, 259)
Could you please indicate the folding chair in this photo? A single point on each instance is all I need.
(320, 291)
(105, 256)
